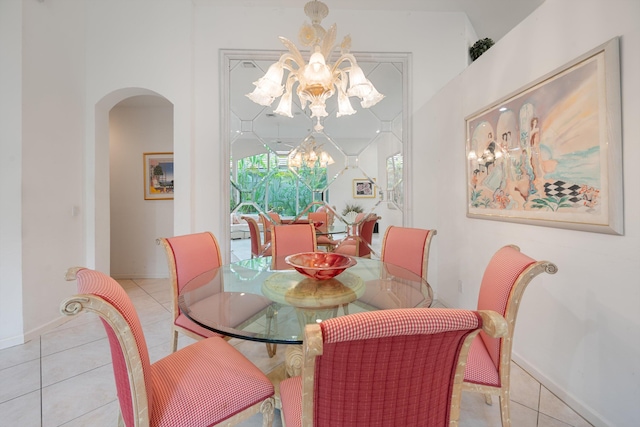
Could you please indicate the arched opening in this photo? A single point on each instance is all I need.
(128, 123)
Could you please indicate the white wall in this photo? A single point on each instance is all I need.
(135, 222)
(53, 115)
(81, 58)
(578, 330)
(10, 172)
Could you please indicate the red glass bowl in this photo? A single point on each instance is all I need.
(320, 265)
(318, 224)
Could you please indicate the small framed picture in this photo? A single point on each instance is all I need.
(364, 189)
(158, 176)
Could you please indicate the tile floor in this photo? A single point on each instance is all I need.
(64, 378)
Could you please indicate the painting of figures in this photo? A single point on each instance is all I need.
(550, 155)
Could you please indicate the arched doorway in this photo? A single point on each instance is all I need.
(98, 181)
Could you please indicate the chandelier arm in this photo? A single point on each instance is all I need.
(295, 53)
(340, 76)
(286, 59)
(344, 57)
(292, 78)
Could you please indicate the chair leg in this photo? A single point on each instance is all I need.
(268, 408)
(487, 399)
(271, 349)
(120, 420)
(174, 341)
(504, 409)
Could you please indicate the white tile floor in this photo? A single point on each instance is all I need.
(64, 378)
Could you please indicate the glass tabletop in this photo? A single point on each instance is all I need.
(251, 301)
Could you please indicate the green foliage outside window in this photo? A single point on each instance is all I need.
(260, 180)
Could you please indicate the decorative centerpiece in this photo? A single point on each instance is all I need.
(320, 265)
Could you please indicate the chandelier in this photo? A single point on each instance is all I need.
(318, 80)
(308, 154)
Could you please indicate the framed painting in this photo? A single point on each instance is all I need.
(550, 154)
(364, 189)
(158, 176)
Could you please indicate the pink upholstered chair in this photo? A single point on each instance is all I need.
(503, 284)
(387, 368)
(330, 214)
(291, 239)
(258, 249)
(204, 384)
(324, 240)
(408, 248)
(189, 256)
(359, 244)
(268, 221)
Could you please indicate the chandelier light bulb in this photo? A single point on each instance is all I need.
(316, 80)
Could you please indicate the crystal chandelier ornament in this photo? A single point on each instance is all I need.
(316, 80)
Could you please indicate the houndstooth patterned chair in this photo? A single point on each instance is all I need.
(208, 383)
(506, 277)
(388, 368)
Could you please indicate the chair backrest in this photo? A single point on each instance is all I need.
(189, 256)
(330, 214)
(269, 220)
(291, 239)
(507, 275)
(100, 294)
(399, 367)
(319, 216)
(365, 231)
(408, 248)
(254, 232)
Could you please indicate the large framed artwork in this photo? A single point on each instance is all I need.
(158, 176)
(550, 154)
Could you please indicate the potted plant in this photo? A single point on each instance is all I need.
(480, 47)
(352, 207)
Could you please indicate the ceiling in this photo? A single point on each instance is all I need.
(490, 18)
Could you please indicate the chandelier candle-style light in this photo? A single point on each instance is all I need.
(317, 80)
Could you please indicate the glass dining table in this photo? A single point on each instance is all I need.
(251, 301)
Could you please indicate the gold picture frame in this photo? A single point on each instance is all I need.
(364, 189)
(158, 176)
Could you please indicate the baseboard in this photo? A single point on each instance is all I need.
(583, 410)
(40, 330)
(12, 341)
